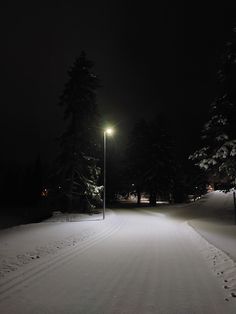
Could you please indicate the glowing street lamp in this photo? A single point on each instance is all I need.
(107, 131)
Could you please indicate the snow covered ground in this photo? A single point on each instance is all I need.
(213, 217)
(170, 259)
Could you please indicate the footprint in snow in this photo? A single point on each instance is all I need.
(233, 294)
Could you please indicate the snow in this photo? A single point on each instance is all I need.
(168, 259)
(22, 244)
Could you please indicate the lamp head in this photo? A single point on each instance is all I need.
(109, 131)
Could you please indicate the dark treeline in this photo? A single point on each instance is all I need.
(74, 182)
(21, 189)
(149, 164)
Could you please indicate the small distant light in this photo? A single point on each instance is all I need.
(44, 193)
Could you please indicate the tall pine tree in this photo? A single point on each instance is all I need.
(218, 155)
(77, 171)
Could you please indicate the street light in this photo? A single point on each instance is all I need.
(107, 131)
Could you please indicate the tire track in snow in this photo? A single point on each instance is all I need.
(10, 264)
(29, 274)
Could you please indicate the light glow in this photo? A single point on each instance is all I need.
(109, 131)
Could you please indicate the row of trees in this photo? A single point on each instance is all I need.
(217, 156)
(75, 179)
(149, 162)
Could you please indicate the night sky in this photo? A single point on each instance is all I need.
(150, 59)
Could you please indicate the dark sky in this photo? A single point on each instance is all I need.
(150, 59)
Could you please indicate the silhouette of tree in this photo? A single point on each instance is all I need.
(77, 171)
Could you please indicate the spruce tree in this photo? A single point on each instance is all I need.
(77, 171)
(218, 154)
(137, 153)
(150, 159)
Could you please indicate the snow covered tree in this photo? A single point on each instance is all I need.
(77, 171)
(218, 155)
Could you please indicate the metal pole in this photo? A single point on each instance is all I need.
(234, 207)
(104, 174)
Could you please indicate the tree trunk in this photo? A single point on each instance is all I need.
(153, 198)
(69, 193)
(139, 196)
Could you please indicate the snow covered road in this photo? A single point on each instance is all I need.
(133, 262)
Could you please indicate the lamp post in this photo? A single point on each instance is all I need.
(106, 132)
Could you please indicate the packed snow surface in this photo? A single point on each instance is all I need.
(147, 260)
